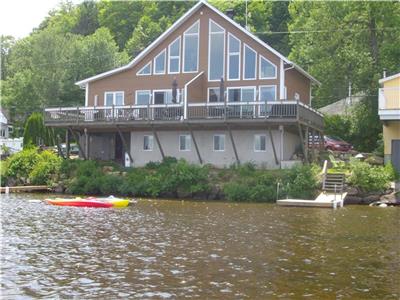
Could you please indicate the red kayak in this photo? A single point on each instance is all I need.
(79, 202)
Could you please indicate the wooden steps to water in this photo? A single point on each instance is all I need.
(24, 188)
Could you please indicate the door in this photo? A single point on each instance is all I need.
(396, 154)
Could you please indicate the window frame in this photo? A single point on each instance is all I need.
(244, 62)
(208, 94)
(151, 138)
(260, 135)
(166, 90)
(114, 98)
(142, 91)
(253, 87)
(234, 53)
(220, 135)
(259, 68)
(184, 47)
(179, 56)
(269, 85)
(145, 66)
(223, 32)
(164, 51)
(189, 142)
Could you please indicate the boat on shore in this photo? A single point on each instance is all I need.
(107, 202)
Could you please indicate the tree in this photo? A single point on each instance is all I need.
(35, 133)
(6, 44)
(88, 21)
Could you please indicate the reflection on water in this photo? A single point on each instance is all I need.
(173, 249)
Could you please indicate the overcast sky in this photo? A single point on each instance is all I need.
(19, 17)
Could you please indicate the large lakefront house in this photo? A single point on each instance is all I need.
(207, 90)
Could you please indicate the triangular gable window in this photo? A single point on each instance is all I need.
(146, 70)
(267, 69)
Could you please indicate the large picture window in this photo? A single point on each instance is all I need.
(267, 69)
(113, 98)
(267, 93)
(216, 52)
(191, 49)
(233, 57)
(159, 63)
(143, 97)
(174, 54)
(250, 60)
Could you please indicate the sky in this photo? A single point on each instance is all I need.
(19, 17)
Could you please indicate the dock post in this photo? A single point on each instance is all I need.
(67, 143)
(7, 190)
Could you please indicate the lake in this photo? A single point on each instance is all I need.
(162, 249)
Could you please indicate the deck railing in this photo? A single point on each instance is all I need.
(274, 110)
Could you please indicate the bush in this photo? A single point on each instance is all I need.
(47, 169)
(302, 182)
(21, 164)
(370, 178)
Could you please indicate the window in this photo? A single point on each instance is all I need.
(250, 57)
(113, 98)
(184, 142)
(267, 93)
(148, 143)
(165, 97)
(233, 57)
(146, 70)
(244, 94)
(260, 143)
(143, 97)
(96, 100)
(214, 95)
(216, 51)
(191, 49)
(159, 63)
(267, 69)
(174, 54)
(219, 142)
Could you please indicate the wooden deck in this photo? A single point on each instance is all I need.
(327, 200)
(25, 188)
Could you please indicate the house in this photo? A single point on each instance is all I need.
(389, 114)
(343, 106)
(5, 126)
(207, 90)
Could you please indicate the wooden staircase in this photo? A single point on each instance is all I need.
(333, 183)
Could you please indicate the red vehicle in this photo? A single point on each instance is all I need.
(336, 144)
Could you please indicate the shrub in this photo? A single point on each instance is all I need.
(21, 164)
(47, 169)
(301, 182)
(370, 178)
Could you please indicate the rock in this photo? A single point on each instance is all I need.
(59, 189)
(390, 198)
(353, 200)
(371, 198)
(353, 191)
(214, 193)
(182, 194)
(107, 169)
(383, 205)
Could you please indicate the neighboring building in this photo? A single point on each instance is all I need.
(389, 113)
(206, 90)
(5, 126)
(342, 107)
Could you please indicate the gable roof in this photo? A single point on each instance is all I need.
(182, 19)
(389, 78)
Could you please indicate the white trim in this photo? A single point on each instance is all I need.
(224, 138)
(259, 68)
(145, 66)
(209, 48)
(310, 99)
(198, 46)
(389, 78)
(282, 83)
(189, 145)
(114, 98)
(269, 85)
(179, 56)
(234, 53)
(244, 62)
(151, 138)
(180, 21)
(165, 62)
(86, 94)
(142, 91)
(185, 93)
(254, 142)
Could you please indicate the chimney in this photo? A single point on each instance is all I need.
(384, 73)
(230, 13)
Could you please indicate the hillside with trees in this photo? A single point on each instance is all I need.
(337, 42)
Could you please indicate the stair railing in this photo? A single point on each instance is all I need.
(324, 172)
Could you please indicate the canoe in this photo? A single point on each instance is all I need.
(90, 202)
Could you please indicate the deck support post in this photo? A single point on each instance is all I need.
(59, 148)
(313, 144)
(321, 141)
(67, 143)
(124, 144)
(195, 143)
(302, 143)
(86, 143)
(78, 142)
(158, 142)
(233, 143)
(273, 145)
(307, 143)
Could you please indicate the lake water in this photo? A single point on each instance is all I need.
(173, 250)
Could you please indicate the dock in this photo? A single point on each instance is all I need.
(23, 188)
(327, 200)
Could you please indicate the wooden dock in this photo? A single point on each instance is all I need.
(328, 200)
(23, 188)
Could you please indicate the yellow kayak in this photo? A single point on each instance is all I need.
(90, 202)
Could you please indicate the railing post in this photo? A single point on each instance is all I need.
(297, 110)
(113, 113)
(148, 111)
(77, 114)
